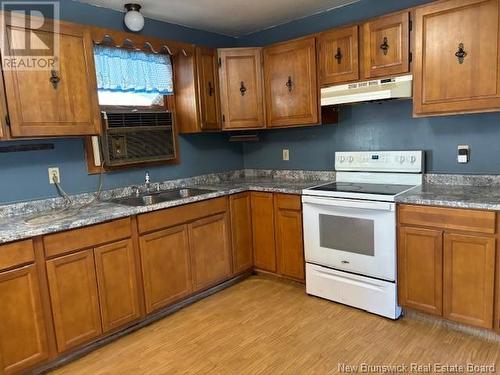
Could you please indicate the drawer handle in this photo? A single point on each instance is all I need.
(460, 54)
(338, 56)
(210, 88)
(289, 84)
(54, 78)
(385, 46)
(243, 89)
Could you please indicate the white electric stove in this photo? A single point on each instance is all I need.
(350, 229)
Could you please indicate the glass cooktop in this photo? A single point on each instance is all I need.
(363, 188)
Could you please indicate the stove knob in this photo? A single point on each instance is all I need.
(413, 159)
(342, 159)
(351, 159)
(401, 159)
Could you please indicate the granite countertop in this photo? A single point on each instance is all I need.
(15, 226)
(460, 196)
(474, 192)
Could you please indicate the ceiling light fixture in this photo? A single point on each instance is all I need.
(134, 20)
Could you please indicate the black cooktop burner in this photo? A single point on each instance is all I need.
(363, 188)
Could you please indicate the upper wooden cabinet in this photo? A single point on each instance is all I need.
(241, 88)
(338, 55)
(386, 45)
(208, 88)
(290, 79)
(57, 102)
(196, 86)
(457, 57)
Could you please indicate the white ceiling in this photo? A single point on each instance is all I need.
(229, 17)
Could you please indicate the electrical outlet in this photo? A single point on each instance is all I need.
(54, 175)
(286, 154)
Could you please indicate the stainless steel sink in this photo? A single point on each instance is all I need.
(163, 196)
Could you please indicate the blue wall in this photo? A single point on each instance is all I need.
(326, 20)
(386, 126)
(23, 175)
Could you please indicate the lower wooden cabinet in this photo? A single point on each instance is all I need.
(241, 231)
(23, 336)
(117, 284)
(92, 283)
(288, 234)
(74, 298)
(210, 250)
(469, 277)
(420, 269)
(166, 266)
(448, 268)
(263, 231)
(277, 234)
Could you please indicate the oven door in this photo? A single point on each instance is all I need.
(351, 235)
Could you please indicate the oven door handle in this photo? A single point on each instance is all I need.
(349, 203)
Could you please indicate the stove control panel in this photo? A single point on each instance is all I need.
(380, 161)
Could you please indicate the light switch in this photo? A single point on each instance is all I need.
(463, 154)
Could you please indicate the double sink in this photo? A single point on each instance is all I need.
(147, 199)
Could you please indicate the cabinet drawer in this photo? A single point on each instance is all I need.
(288, 201)
(65, 242)
(180, 215)
(15, 254)
(448, 218)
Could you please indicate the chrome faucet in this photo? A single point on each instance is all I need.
(147, 181)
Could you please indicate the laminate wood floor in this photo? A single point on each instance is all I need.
(266, 326)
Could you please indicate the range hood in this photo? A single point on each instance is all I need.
(380, 89)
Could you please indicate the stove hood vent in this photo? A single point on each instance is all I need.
(374, 90)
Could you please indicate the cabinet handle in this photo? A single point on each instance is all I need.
(243, 89)
(210, 88)
(460, 54)
(289, 84)
(338, 55)
(384, 46)
(54, 78)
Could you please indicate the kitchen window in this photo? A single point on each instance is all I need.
(135, 78)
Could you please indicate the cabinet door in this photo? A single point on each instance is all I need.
(263, 231)
(386, 42)
(210, 250)
(117, 283)
(338, 56)
(291, 83)
(187, 103)
(165, 266)
(241, 91)
(289, 240)
(420, 269)
(208, 88)
(23, 336)
(241, 230)
(74, 297)
(469, 277)
(38, 107)
(457, 57)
